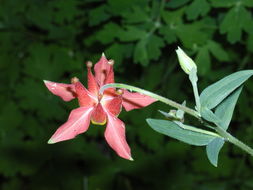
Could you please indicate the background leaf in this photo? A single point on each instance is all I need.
(53, 39)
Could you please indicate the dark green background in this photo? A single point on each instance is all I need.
(50, 39)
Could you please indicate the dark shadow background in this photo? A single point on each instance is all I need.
(50, 39)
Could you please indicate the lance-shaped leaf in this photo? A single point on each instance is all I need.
(213, 149)
(208, 115)
(173, 130)
(215, 93)
(224, 111)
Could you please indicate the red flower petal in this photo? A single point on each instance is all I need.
(136, 100)
(98, 116)
(103, 70)
(112, 104)
(115, 136)
(92, 83)
(110, 74)
(78, 122)
(85, 98)
(65, 91)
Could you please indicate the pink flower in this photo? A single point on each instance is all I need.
(97, 108)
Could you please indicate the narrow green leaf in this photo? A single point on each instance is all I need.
(208, 115)
(215, 93)
(173, 130)
(225, 109)
(213, 149)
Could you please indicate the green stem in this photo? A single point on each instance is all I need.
(196, 95)
(194, 129)
(234, 140)
(194, 79)
(221, 132)
(153, 95)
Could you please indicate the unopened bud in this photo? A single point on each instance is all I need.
(186, 63)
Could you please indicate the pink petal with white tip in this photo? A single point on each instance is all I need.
(115, 136)
(103, 70)
(65, 91)
(78, 122)
(135, 100)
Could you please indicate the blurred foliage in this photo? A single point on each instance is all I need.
(51, 39)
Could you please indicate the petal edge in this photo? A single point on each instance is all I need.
(65, 91)
(115, 137)
(78, 122)
(135, 100)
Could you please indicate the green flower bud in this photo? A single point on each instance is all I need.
(186, 63)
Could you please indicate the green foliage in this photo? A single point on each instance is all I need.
(52, 39)
(215, 93)
(173, 130)
(224, 111)
(213, 149)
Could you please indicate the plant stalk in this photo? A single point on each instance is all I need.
(221, 132)
(153, 95)
(227, 136)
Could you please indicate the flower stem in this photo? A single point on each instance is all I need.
(194, 79)
(153, 95)
(221, 132)
(234, 140)
(194, 129)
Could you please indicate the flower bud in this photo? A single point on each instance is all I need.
(186, 63)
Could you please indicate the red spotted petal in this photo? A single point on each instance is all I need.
(103, 71)
(98, 116)
(112, 104)
(92, 83)
(135, 100)
(85, 98)
(115, 136)
(65, 91)
(78, 122)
